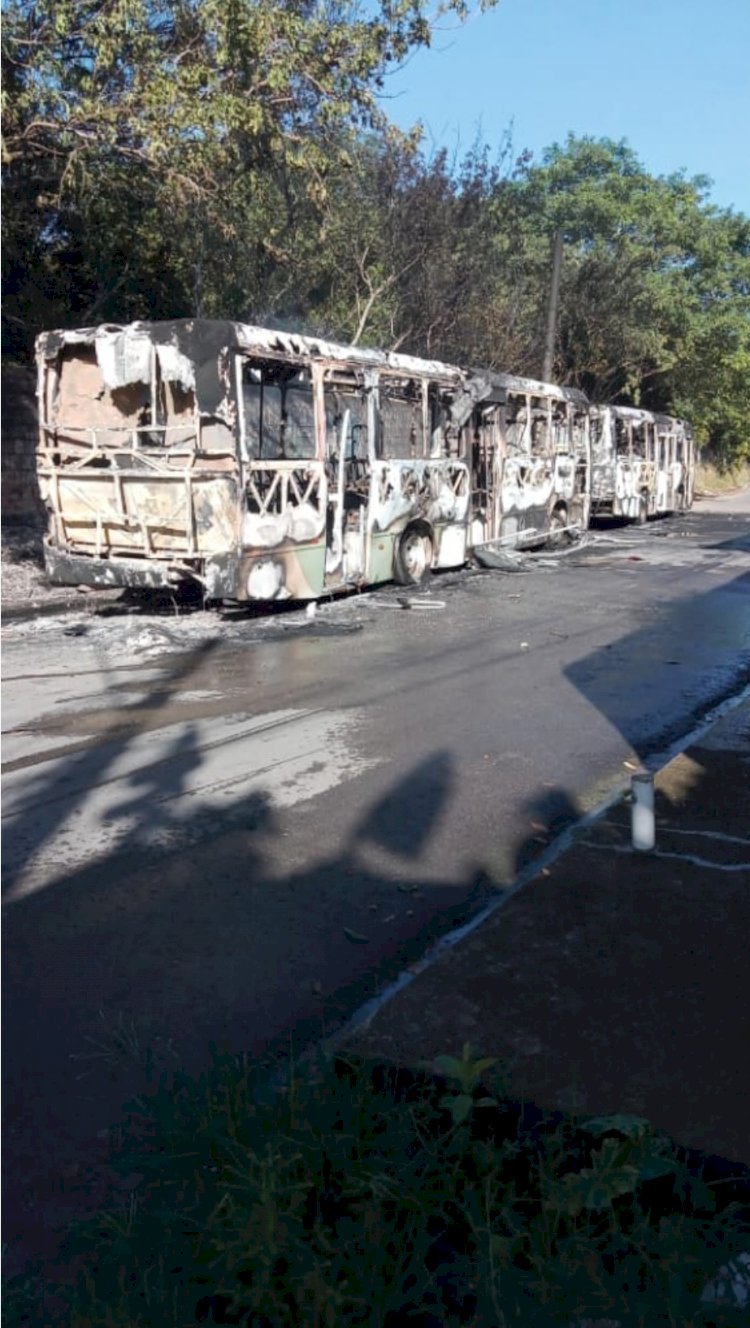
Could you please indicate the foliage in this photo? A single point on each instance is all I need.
(453, 260)
(466, 1075)
(655, 306)
(230, 158)
(411, 249)
(192, 88)
(352, 1195)
(147, 141)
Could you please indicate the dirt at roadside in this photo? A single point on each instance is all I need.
(24, 586)
(23, 580)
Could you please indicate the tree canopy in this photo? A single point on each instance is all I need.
(231, 158)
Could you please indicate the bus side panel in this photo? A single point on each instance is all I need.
(284, 530)
(188, 515)
(287, 572)
(434, 492)
(381, 556)
(603, 462)
(527, 489)
(452, 538)
(634, 480)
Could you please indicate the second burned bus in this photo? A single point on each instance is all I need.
(643, 464)
(265, 465)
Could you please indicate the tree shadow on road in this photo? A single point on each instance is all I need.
(186, 935)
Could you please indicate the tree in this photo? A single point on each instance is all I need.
(228, 158)
(655, 305)
(418, 252)
(204, 113)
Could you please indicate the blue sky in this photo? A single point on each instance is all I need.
(670, 76)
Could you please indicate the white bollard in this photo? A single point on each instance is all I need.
(642, 813)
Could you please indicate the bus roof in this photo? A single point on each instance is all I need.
(644, 416)
(199, 339)
(533, 387)
(195, 341)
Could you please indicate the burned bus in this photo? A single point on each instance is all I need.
(530, 462)
(260, 464)
(643, 463)
(263, 465)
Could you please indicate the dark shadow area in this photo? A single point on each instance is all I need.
(628, 683)
(549, 814)
(103, 604)
(402, 821)
(182, 937)
(604, 521)
(22, 543)
(615, 982)
(185, 598)
(740, 542)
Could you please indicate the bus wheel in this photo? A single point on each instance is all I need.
(558, 526)
(642, 516)
(413, 557)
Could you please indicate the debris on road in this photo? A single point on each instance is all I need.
(356, 936)
(501, 560)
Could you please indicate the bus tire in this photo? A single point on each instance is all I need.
(414, 554)
(558, 525)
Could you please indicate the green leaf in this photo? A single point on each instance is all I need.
(481, 1066)
(633, 1127)
(448, 1066)
(461, 1108)
(657, 1164)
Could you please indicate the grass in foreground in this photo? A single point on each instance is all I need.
(361, 1196)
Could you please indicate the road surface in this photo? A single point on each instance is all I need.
(236, 829)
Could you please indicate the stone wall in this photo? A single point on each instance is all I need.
(20, 491)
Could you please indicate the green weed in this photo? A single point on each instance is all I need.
(352, 1195)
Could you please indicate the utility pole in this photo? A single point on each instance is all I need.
(549, 345)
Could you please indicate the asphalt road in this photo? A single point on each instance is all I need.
(236, 829)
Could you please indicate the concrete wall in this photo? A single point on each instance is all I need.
(20, 491)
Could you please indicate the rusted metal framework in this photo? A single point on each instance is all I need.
(261, 464)
(643, 464)
(531, 462)
(265, 465)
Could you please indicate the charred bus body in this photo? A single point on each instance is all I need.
(643, 464)
(265, 465)
(261, 464)
(530, 461)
